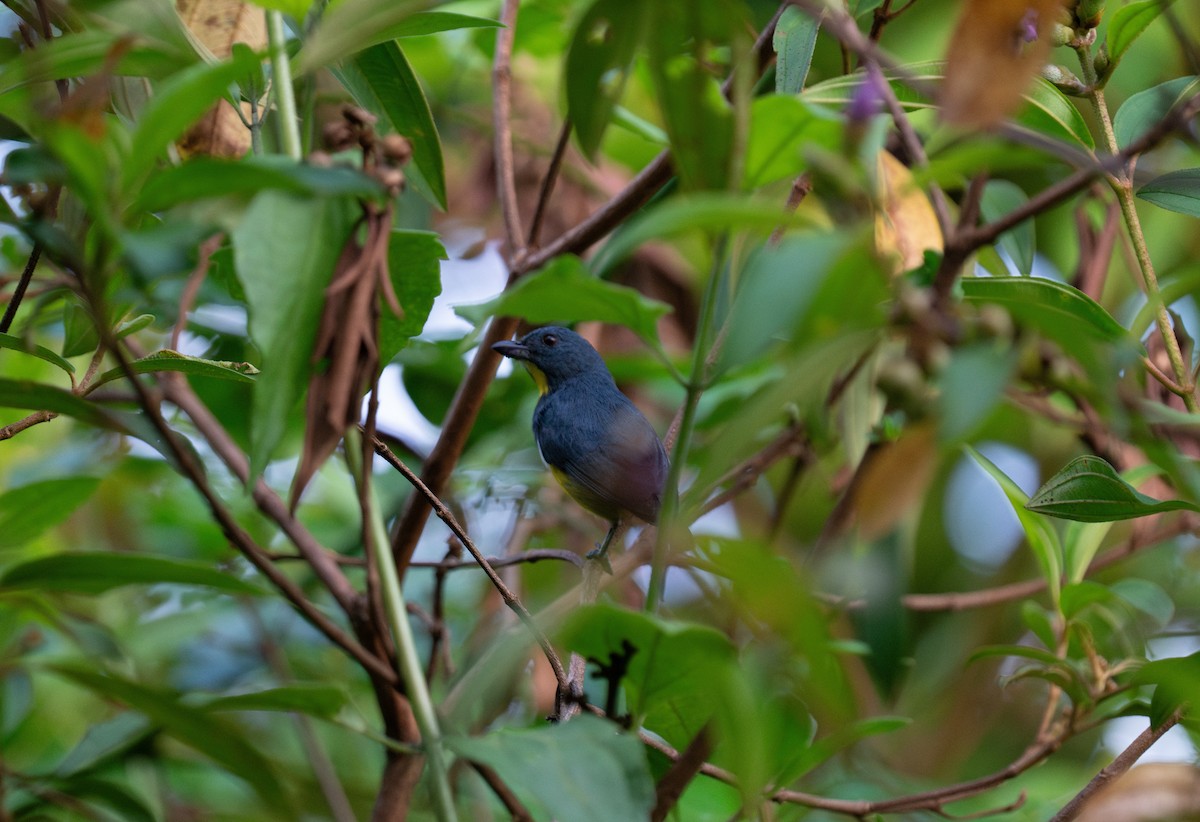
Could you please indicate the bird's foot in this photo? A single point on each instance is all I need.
(600, 555)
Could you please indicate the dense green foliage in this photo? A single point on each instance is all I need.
(880, 268)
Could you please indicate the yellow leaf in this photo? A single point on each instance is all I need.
(905, 223)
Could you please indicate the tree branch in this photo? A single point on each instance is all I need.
(506, 181)
(1116, 768)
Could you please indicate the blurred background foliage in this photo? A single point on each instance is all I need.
(866, 370)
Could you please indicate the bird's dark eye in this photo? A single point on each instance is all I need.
(550, 340)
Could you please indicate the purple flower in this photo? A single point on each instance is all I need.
(1027, 29)
(867, 100)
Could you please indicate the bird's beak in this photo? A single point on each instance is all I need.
(513, 350)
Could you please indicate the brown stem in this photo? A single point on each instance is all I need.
(682, 771)
(1116, 768)
(512, 804)
(191, 288)
(14, 302)
(36, 418)
(539, 213)
(506, 183)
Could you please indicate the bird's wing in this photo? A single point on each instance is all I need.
(610, 461)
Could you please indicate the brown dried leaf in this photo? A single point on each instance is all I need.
(997, 48)
(1148, 793)
(894, 483)
(905, 223)
(218, 24)
(346, 354)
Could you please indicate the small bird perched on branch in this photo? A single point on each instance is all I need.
(598, 445)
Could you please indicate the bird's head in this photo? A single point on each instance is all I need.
(553, 355)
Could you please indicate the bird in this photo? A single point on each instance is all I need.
(602, 450)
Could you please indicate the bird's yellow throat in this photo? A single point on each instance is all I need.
(539, 378)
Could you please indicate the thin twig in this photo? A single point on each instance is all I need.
(682, 771)
(506, 594)
(36, 418)
(531, 556)
(506, 182)
(933, 800)
(1116, 768)
(539, 213)
(191, 288)
(512, 804)
(14, 302)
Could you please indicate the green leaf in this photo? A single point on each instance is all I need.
(382, 81)
(696, 115)
(134, 325)
(95, 572)
(1088, 489)
(564, 291)
(84, 53)
(414, 262)
(432, 22)
(314, 699)
(772, 304)
(89, 791)
(168, 360)
(841, 738)
(695, 212)
(105, 740)
(177, 104)
(1176, 681)
(1047, 110)
(1000, 197)
(1057, 310)
(971, 385)
(29, 510)
(1042, 539)
(204, 177)
(794, 41)
(1038, 620)
(597, 67)
(1022, 651)
(34, 396)
(1052, 113)
(1078, 595)
(1145, 108)
(351, 26)
(1127, 23)
(1177, 191)
(556, 770)
(79, 330)
(1147, 597)
(26, 347)
(285, 249)
(781, 126)
(1081, 541)
(221, 741)
(669, 681)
